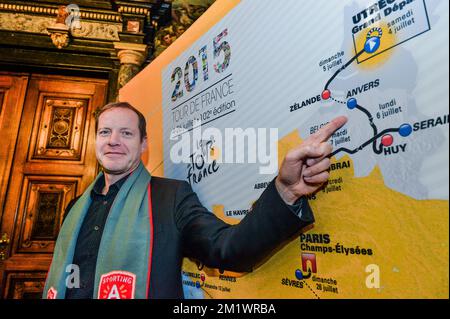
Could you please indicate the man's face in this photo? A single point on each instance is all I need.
(118, 145)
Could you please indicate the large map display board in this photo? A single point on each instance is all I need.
(279, 70)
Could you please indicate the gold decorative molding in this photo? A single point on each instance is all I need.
(40, 24)
(24, 22)
(59, 33)
(19, 8)
(100, 16)
(134, 10)
(99, 30)
(25, 8)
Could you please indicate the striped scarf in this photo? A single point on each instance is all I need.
(124, 258)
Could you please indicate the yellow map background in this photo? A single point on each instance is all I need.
(409, 239)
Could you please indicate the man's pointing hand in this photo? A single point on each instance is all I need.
(305, 168)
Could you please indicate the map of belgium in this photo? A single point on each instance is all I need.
(381, 227)
(408, 240)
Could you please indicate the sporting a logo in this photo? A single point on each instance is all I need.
(51, 293)
(117, 285)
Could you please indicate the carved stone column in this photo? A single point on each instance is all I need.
(131, 56)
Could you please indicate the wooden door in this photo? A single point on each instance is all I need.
(53, 161)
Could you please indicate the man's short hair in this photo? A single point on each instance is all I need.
(125, 105)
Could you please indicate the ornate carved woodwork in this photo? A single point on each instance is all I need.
(12, 95)
(81, 36)
(41, 209)
(25, 285)
(51, 160)
(60, 134)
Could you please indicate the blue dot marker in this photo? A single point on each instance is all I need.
(372, 44)
(298, 274)
(352, 103)
(405, 130)
(197, 284)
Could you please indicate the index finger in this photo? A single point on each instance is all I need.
(326, 131)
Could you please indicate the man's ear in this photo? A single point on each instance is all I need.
(144, 145)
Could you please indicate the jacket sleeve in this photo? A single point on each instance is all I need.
(239, 247)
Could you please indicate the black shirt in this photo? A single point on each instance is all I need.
(90, 235)
(88, 241)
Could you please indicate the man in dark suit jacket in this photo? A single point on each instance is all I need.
(180, 226)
